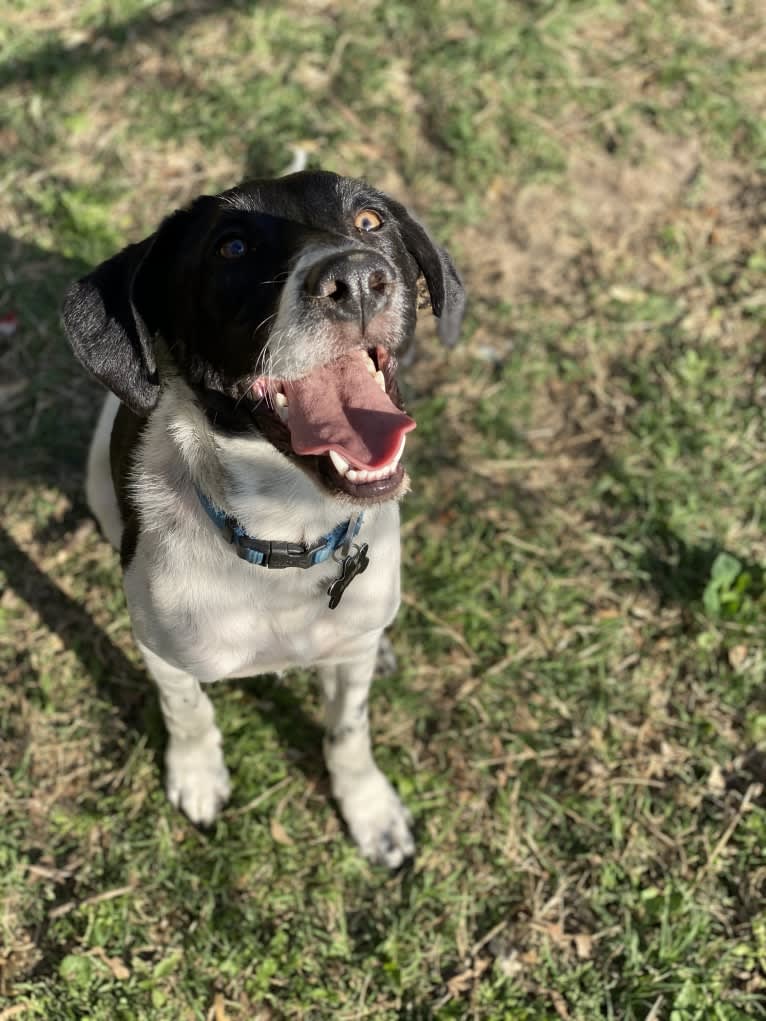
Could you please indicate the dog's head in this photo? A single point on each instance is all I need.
(282, 303)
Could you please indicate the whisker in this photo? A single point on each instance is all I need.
(243, 396)
(261, 359)
(266, 320)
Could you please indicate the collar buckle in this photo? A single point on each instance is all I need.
(287, 554)
(264, 553)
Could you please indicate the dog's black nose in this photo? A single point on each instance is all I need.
(352, 285)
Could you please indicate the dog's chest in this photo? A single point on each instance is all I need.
(217, 616)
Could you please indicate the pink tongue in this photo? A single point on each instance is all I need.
(340, 407)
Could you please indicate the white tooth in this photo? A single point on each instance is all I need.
(280, 405)
(395, 459)
(341, 464)
(380, 380)
(370, 365)
(357, 476)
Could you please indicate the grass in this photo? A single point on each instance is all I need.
(579, 718)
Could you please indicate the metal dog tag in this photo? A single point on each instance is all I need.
(355, 563)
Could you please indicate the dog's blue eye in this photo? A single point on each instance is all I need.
(234, 248)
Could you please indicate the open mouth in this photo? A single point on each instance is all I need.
(346, 413)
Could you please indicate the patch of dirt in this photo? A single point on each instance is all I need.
(602, 218)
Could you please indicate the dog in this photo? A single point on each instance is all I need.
(248, 460)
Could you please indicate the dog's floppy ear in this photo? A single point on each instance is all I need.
(442, 278)
(111, 316)
(108, 334)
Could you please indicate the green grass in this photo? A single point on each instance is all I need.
(579, 718)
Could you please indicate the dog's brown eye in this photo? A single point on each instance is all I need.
(234, 248)
(368, 219)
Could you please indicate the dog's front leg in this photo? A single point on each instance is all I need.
(197, 780)
(377, 819)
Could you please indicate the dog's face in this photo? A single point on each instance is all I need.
(283, 304)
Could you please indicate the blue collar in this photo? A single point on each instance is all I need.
(279, 554)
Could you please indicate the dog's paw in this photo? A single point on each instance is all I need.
(378, 821)
(197, 779)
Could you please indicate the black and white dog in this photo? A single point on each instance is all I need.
(248, 460)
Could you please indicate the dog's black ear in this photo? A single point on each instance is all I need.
(108, 334)
(111, 315)
(442, 278)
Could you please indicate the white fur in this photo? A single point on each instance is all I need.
(197, 779)
(200, 613)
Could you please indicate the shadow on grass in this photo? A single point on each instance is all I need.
(56, 59)
(117, 678)
(679, 571)
(47, 405)
(297, 731)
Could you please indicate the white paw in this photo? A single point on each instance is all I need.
(197, 779)
(377, 819)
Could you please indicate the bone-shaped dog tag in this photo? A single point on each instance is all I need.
(355, 563)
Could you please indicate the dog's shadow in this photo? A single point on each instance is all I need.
(281, 702)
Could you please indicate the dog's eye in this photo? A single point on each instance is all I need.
(368, 219)
(234, 248)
